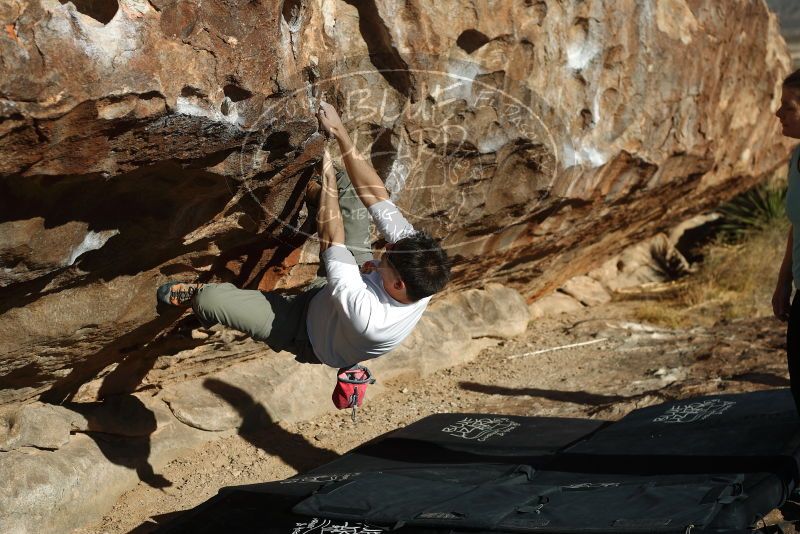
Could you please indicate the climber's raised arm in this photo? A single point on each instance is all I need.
(329, 216)
(365, 180)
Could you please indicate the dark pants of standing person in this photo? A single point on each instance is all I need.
(793, 349)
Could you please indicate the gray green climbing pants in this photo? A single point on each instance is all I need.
(278, 318)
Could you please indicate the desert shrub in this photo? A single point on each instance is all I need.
(669, 264)
(755, 210)
(735, 280)
(737, 275)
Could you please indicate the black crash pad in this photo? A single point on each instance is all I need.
(715, 464)
(748, 432)
(546, 502)
(473, 439)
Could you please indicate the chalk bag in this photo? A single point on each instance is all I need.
(351, 387)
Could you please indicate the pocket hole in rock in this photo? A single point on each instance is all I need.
(471, 40)
(100, 10)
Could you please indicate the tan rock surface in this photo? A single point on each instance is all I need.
(58, 491)
(586, 290)
(67, 452)
(554, 304)
(172, 140)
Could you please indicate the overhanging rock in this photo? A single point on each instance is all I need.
(169, 139)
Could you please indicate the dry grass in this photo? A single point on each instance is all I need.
(734, 281)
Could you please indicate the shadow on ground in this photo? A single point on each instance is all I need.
(575, 397)
(763, 379)
(261, 431)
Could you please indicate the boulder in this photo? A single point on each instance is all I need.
(38, 425)
(586, 290)
(554, 304)
(254, 393)
(456, 328)
(493, 311)
(142, 141)
(62, 490)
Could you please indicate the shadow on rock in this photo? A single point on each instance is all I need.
(137, 205)
(134, 363)
(265, 258)
(260, 430)
(121, 427)
(121, 424)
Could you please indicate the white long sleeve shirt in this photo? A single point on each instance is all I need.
(353, 318)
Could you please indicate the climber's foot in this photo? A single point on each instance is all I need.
(177, 293)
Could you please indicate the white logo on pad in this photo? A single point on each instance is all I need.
(327, 526)
(480, 429)
(696, 411)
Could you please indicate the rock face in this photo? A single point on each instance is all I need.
(171, 139)
(147, 140)
(53, 459)
(168, 139)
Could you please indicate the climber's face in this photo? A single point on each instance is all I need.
(789, 112)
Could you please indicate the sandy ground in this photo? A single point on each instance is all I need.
(626, 365)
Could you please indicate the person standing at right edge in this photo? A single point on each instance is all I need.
(789, 115)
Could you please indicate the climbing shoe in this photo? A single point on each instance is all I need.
(176, 293)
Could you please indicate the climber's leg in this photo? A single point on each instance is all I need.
(267, 316)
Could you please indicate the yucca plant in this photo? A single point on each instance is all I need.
(668, 262)
(757, 209)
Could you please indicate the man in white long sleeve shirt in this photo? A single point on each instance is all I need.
(359, 316)
(353, 314)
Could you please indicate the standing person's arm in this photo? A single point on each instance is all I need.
(366, 182)
(783, 289)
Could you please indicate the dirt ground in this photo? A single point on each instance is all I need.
(621, 365)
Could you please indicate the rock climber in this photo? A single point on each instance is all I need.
(353, 313)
